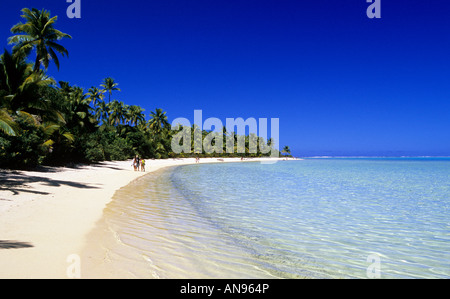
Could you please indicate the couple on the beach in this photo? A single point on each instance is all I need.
(138, 163)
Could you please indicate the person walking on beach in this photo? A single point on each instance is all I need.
(136, 163)
(143, 165)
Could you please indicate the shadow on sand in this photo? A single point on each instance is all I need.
(8, 244)
(16, 182)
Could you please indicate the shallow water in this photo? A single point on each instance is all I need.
(316, 218)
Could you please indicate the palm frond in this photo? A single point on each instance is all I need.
(58, 48)
(7, 128)
(70, 137)
(61, 35)
(7, 124)
(28, 117)
(60, 117)
(48, 143)
(49, 128)
(54, 57)
(22, 28)
(21, 38)
(48, 24)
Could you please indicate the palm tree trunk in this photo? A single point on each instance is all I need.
(37, 64)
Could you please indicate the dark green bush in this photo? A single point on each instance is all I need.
(23, 151)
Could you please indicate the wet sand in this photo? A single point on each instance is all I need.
(47, 216)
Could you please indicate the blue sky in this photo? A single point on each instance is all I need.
(340, 83)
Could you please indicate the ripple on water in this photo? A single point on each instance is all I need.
(300, 219)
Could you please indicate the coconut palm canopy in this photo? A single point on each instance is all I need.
(38, 33)
(109, 85)
(42, 122)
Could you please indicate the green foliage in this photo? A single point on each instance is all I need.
(94, 152)
(41, 123)
(286, 150)
(109, 85)
(38, 33)
(25, 150)
(140, 143)
(7, 123)
(119, 149)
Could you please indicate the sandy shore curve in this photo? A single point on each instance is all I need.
(46, 215)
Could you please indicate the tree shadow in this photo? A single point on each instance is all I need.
(108, 166)
(8, 244)
(55, 169)
(16, 191)
(16, 182)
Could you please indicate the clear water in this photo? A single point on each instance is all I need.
(316, 218)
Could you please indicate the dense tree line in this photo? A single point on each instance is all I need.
(55, 123)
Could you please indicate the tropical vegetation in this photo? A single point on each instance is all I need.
(44, 121)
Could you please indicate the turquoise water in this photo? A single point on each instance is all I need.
(313, 218)
(327, 218)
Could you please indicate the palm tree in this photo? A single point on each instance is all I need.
(158, 126)
(22, 95)
(158, 121)
(20, 88)
(196, 139)
(117, 112)
(135, 115)
(101, 112)
(79, 110)
(38, 32)
(286, 150)
(95, 95)
(109, 86)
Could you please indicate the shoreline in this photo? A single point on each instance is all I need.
(47, 215)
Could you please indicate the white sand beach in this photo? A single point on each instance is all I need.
(46, 215)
